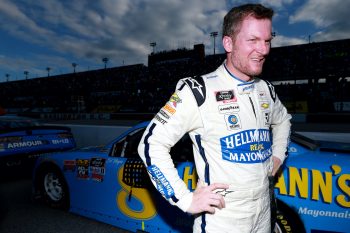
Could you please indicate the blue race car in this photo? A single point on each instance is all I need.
(110, 184)
(22, 140)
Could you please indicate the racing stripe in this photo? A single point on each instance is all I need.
(174, 199)
(149, 134)
(204, 223)
(202, 153)
(206, 175)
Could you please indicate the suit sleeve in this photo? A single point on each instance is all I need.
(178, 116)
(281, 126)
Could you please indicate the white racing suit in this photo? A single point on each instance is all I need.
(235, 127)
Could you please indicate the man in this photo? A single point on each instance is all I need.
(239, 129)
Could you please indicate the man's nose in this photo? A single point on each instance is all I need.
(263, 47)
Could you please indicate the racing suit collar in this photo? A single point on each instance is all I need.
(243, 87)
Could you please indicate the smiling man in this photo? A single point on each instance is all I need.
(239, 129)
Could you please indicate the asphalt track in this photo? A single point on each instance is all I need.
(20, 214)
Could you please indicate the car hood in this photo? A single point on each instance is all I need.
(100, 148)
(334, 146)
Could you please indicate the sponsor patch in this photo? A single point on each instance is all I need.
(225, 96)
(175, 100)
(245, 88)
(262, 95)
(264, 105)
(232, 121)
(249, 146)
(82, 168)
(228, 108)
(160, 119)
(97, 169)
(162, 183)
(164, 114)
(267, 118)
(169, 109)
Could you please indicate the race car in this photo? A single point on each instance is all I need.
(22, 140)
(110, 184)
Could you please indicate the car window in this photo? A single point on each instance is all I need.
(132, 143)
(15, 124)
(127, 147)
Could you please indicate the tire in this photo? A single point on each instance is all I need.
(287, 221)
(53, 188)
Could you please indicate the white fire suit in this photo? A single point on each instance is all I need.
(235, 127)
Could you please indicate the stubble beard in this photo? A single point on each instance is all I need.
(245, 69)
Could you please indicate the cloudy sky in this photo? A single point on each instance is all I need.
(36, 34)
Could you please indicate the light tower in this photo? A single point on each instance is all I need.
(74, 65)
(153, 45)
(214, 35)
(105, 60)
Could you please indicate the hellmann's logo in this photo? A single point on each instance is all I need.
(15, 145)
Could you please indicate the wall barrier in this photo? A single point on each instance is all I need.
(95, 135)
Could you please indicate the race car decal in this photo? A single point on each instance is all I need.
(134, 202)
(69, 165)
(316, 185)
(15, 145)
(82, 168)
(98, 169)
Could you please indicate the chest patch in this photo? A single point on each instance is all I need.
(225, 96)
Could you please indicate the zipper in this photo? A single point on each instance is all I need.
(251, 102)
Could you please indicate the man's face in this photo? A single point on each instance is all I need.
(249, 48)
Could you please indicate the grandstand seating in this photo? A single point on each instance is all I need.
(311, 78)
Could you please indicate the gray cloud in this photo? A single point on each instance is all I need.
(330, 17)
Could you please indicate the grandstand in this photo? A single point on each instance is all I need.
(309, 78)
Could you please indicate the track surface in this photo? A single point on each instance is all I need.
(20, 214)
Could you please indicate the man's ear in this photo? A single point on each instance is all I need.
(227, 43)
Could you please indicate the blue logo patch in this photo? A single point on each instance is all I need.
(162, 183)
(232, 121)
(249, 146)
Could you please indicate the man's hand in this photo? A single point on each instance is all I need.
(276, 165)
(205, 198)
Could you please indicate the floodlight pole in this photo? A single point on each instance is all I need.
(214, 35)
